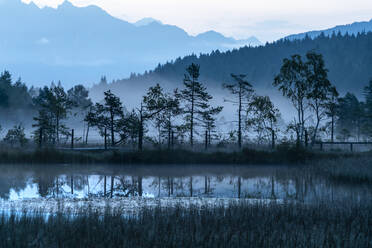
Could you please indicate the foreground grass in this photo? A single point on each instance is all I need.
(286, 225)
(246, 156)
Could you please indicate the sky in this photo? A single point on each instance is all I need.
(268, 20)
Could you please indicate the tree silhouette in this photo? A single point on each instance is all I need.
(195, 98)
(320, 88)
(292, 82)
(244, 92)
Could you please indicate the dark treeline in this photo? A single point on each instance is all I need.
(185, 116)
(348, 58)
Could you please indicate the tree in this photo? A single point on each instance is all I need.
(244, 91)
(81, 104)
(264, 117)
(194, 97)
(292, 82)
(350, 114)
(79, 97)
(108, 115)
(320, 91)
(53, 106)
(153, 104)
(16, 136)
(331, 110)
(367, 92)
(172, 110)
(130, 127)
(59, 106)
(5, 85)
(209, 122)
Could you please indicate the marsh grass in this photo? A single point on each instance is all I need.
(246, 156)
(285, 225)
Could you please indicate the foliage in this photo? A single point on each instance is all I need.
(264, 117)
(194, 97)
(16, 136)
(53, 106)
(244, 92)
(107, 116)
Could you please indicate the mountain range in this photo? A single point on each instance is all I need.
(80, 44)
(351, 29)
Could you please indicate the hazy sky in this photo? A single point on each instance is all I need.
(265, 19)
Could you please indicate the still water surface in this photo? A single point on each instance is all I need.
(256, 182)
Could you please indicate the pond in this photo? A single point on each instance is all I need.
(19, 182)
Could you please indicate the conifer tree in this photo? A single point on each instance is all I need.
(243, 90)
(195, 98)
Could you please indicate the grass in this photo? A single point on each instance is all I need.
(246, 156)
(286, 225)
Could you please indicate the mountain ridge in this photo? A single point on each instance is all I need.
(353, 28)
(80, 44)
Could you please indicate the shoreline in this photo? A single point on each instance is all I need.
(286, 156)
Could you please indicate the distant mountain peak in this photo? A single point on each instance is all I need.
(146, 21)
(66, 4)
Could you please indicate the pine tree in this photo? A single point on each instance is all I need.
(195, 98)
(244, 92)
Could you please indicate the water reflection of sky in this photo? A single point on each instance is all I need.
(250, 182)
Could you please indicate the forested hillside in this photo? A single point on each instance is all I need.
(348, 58)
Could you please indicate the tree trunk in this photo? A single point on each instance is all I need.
(57, 129)
(192, 115)
(205, 185)
(206, 140)
(191, 190)
(240, 119)
(112, 128)
(86, 138)
(239, 186)
(72, 184)
(169, 134)
(140, 134)
(104, 186)
(112, 187)
(140, 190)
(332, 128)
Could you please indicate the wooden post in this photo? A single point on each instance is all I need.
(272, 139)
(72, 138)
(351, 147)
(41, 138)
(105, 138)
(321, 146)
(306, 139)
